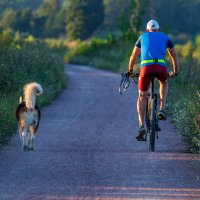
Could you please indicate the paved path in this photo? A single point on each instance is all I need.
(86, 149)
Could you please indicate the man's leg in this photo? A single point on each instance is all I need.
(163, 94)
(163, 97)
(143, 88)
(141, 106)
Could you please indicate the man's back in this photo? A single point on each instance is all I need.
(153, 45)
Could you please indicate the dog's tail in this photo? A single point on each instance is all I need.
(30, 92)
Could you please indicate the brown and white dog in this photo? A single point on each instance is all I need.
(28, 115)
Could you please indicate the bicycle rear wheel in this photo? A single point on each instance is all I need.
(153, 125)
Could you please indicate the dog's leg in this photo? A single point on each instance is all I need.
(21, 129)
(32, 142)
(33, 130)
(25, 139)
(22, 133)
(29, 139)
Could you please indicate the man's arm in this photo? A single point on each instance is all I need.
(175, 61)
(134, 55)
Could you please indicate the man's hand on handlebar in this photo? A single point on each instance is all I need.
(172, 74)
(130, 72)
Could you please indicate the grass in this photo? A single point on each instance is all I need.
(184, 104)
(103, 54)
(22, 63)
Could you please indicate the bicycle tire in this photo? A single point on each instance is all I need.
(153, 125)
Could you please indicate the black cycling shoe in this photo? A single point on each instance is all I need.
(162, 115)
(141, 134)
(158, 128)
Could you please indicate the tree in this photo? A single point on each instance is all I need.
(8, 19)
(74, 19)
(137, 11)
(59, 22)
(51, 15)
(49, 7)
(23, 22)
(83, 18)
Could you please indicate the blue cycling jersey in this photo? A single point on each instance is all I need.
(153, 47)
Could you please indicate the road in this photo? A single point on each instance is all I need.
(86, 149)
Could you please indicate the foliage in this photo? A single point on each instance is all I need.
(130, 24)
(54, 17)
(8, 19)
(74, 20)
(23, 20)
(185, 106)
(100, 53)
(124, 24)
(19, 4)
(115, 9)
(21, 63)
(185, 111)
(179, 16)
(137, 11)
(48, 20)
(176, 17)
(83, 18)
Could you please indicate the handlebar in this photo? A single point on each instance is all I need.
(125, 82)
(130, 74)
(172, 74)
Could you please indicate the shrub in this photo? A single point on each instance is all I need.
(186, 109)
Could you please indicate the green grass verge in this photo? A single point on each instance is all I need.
(19, 65)
(184, 103)
(103, 54)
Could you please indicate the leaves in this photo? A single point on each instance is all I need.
(83, 18)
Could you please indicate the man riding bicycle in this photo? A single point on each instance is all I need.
(152, 45)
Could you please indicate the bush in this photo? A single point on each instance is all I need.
(185, 111)
(102, 54)
(185, 106)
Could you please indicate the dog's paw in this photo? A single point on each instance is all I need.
(32, 149)
(25, 148)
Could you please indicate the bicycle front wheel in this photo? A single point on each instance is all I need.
(153, 125)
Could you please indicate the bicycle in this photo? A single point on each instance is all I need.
(151, 119)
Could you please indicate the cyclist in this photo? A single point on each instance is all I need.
(152, 46)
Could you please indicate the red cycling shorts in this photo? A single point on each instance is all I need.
(144, 79)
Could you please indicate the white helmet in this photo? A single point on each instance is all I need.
(152, 25)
